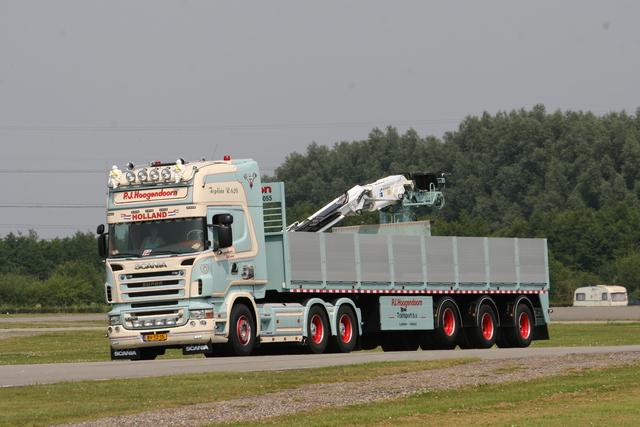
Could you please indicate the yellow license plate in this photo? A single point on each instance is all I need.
(154, 337)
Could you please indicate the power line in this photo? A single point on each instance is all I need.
(227, 127)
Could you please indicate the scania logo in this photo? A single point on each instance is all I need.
(145, 265)
(120, 353)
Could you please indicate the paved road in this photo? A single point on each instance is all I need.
(23, 375)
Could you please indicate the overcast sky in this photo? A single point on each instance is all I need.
(88, 84)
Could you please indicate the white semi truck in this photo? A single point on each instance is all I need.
(199, 257)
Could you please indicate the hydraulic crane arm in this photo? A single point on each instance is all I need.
(420, 189)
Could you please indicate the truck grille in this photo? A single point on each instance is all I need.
(149, 285)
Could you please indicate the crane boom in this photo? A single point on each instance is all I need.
(396, 191)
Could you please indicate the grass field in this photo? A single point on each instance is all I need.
(606, 397)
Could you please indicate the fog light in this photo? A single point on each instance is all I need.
(142, 175)
(154, 175)
(131, 177)
(203, 322)
(117, 328)
(192, 323)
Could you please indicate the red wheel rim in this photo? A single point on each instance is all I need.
(487, 326)
(244, 330)
(448, 322)
(317, 329)
(346, 328)
(524, 323)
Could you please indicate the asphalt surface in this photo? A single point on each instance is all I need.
(23, 375)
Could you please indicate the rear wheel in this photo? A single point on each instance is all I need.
(317, 330)
(485, 333)
(241, 331)
(445, 334)
(521, 334)
(347, 333)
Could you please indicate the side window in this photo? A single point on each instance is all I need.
(241, 235)
(604, 296)
(580, 296)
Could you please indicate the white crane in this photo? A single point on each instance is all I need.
(420, 189)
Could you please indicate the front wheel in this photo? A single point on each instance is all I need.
(242, 336)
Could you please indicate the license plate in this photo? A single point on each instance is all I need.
(154, 337)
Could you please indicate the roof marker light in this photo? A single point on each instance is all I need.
(227, 158)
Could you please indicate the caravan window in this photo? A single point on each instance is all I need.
(604, 296)
(618, 296)
(580, 296)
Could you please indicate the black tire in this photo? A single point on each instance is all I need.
(347, 331)
(318, 330)
(485, 333)
(242, 336)
(445, 335)
(521, 333)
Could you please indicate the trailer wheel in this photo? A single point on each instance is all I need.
(346, 338)
(445, 335)
(521, 334)
(241, 332)
(317, 330)
(485, 333)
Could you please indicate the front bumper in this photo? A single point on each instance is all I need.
(198, 332)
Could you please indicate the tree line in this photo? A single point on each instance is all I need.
(40, 275)
(572, 177)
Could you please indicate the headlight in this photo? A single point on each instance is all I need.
(142, 175)
(148, 323)
(131, 177)
(170, 321)
(166, 173)
(159, 322)
(115, 320)
(154, 175)
(137, 323)
(201, 314)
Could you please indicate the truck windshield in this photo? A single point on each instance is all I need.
(173, 236)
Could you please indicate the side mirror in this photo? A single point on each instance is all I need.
(102, 244)
(225, 219)
(100, 229)
(225, 234)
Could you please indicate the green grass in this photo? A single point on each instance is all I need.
(602, 397)
(68, 402)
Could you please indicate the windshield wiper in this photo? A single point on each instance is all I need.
(126, 254)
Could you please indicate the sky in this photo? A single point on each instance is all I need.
(85, 85)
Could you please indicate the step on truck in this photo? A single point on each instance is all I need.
(199, 257)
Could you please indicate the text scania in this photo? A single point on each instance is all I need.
(145, 265)
(148, 195)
